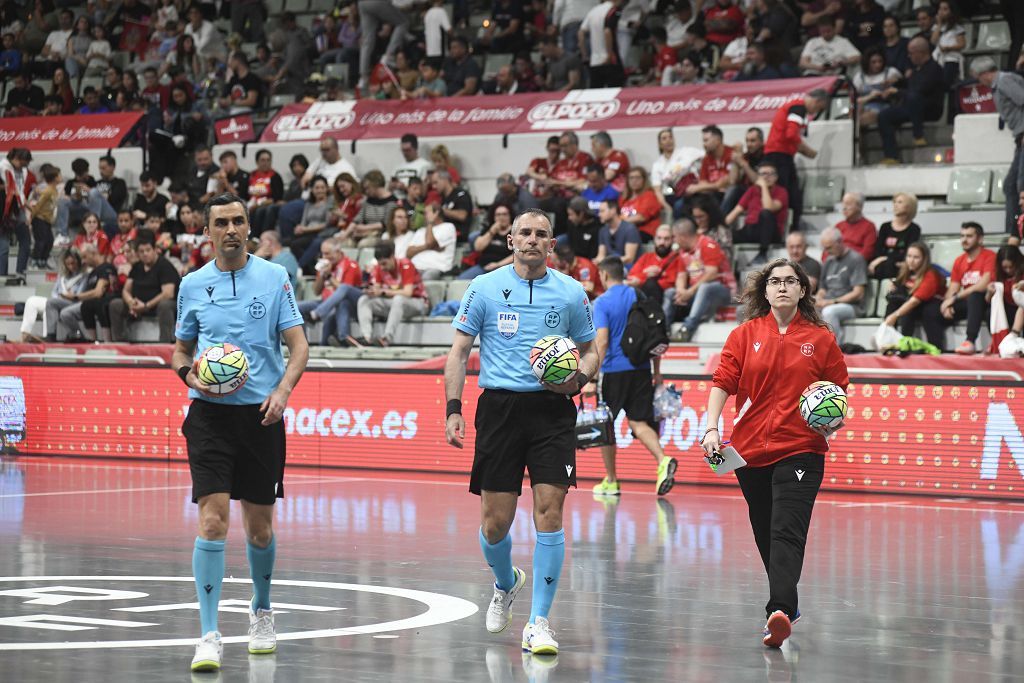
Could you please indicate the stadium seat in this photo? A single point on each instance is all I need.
(365, 257)
(351, 252)
(281, 100)
(120, 59)
(456, 288)
(321, 6)
(339, 71)
(435, 291)
(945, 251)
(822, 192)
(993, 36)
(494, 61)
(967, 186)
(839, 108)
(94, 81)
(995, 196)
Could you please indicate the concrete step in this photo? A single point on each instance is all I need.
(931, 154)
(16, 294)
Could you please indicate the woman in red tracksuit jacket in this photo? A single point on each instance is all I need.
(767, 362)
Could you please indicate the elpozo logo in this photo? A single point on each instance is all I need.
(320, 118)
(568, 112)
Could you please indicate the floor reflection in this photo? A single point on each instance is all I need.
(653, 589)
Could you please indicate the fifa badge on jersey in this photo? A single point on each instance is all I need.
(508, 324)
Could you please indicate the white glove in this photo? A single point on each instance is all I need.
(179, 141)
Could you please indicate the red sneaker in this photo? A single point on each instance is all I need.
(966, 349)
(777, 629)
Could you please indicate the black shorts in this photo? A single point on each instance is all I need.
(630, 390)
(229, 451)
(516, 431)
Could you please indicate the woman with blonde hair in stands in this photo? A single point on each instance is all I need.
(640, 205)
(895, 237)
(917, 284)
(442, 161)
(69, 282)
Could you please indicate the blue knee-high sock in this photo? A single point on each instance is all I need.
(261, 568)
(548, 555)
(499, 557)
(208, 569)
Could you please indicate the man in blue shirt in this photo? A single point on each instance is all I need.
(236, 445)
(521, 423)
(625, 386)
(616, 237)
(597, 189)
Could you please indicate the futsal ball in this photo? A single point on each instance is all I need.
(554, 359)
(224, 368)
(823, 404)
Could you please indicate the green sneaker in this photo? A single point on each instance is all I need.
(666, 475)
(607, 488)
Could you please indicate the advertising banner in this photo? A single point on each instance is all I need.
(944, 439)
(95, 131)
(607, 108)
(976, 99)
(234, 129)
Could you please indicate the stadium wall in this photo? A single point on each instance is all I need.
(954, 438)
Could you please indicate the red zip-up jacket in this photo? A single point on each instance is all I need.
(767, 372)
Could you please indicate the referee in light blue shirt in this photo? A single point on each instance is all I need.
(520, 423)
(236, 445)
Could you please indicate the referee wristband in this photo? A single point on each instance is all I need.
(454, 407)
(183, 374)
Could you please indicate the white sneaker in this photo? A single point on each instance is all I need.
(539, 638)
(208, 652)
(499, 613)
(262, 637)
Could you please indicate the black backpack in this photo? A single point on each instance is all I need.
(645, 334)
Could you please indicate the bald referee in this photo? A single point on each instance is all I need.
(236, 442)
(520, 423)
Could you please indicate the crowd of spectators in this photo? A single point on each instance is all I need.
(674, 225)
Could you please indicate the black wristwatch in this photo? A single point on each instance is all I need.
(581, 381)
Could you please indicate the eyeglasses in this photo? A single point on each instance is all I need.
(788, 281)
(767, 174)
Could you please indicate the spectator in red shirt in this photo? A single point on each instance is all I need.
(917, 284)
(395, 293)
(540, 168)
(723, 22)
(765, 206)
(786, 139)
(640, 205)
(339, 284)
(266, 190)
(717, 171)
(614, 162)
(578, 268)
(655, 272)
(965, 297)
(93, 235)
(859, 233)
(664, 56)
(1010, 260)
(705, 282)
(569, 174)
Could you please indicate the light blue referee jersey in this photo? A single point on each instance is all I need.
(248, 308)
(510, 314)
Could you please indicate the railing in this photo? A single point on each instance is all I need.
(923, 373)
(95, 358)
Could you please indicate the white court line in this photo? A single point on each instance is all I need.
(312, 479)
(155, 488)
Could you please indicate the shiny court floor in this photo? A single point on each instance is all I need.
(379, 578)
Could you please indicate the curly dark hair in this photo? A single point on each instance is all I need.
(755, 298)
